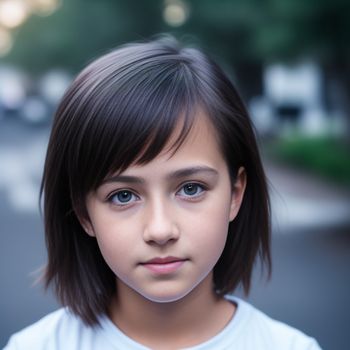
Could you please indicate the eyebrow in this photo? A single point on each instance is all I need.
(173, 175)
(192, 171)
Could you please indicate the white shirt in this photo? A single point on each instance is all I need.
(249, 329)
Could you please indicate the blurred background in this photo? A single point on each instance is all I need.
(290, 59)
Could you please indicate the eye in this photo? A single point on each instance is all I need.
(123, 197)
(191, 190)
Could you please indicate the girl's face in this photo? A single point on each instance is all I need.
(162, 226)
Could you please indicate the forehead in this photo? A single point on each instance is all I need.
(201, 137)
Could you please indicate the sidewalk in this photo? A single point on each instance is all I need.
(301, 200)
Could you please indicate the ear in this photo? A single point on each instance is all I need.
(238, 193)
(82, 214)
(87, 226)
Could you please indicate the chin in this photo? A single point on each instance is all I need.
(165, 296)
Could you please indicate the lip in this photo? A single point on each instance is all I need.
(165, 265)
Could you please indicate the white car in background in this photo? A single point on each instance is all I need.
(31, 100)
(13, 84)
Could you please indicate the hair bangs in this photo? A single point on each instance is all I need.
(134, 122)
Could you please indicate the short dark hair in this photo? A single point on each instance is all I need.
(121, 109)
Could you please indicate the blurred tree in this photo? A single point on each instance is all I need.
(244, 34)
(289, 30)
(81, 30)
(252, 33)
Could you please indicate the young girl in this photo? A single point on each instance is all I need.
(155, 207)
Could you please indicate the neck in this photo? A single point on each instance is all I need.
(189, 321)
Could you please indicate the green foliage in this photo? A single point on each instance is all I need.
(80, 30)
(240, 31)
(314, 28)
(325, 156)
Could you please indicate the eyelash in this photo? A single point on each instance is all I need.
(185, 196)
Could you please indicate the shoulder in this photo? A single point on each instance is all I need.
(263, 332)
(50, 333)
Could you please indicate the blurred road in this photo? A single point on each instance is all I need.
(310, 284)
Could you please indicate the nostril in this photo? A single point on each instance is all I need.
(161, 234)
(160, 224)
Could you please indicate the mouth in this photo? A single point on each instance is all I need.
(165, 265)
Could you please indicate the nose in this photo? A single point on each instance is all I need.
(160, 223)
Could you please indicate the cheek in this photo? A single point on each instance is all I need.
(211, 231)
(113, 240)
